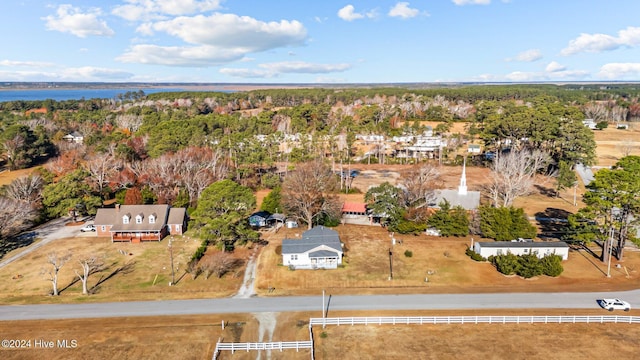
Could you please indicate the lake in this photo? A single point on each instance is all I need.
(76, 94)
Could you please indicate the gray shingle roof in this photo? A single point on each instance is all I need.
(312, 239)
(114, 217)
(468, 201)
(176, 216)
(322, 254)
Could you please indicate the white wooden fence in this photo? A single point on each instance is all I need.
(420, 320)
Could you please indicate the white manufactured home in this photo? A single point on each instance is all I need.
(539, 248)
(319, 248)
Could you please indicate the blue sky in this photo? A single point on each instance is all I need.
(314, 41)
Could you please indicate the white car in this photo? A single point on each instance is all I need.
(614, 304)
(88, 228)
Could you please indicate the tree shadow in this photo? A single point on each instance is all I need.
(588, 254)
(553, 222)
(18, 241)
(73, 282)
(127, 268)
(548, 192)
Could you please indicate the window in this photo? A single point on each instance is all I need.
(294, 257)
(526, 251)
(152, 219)
(125, 219)
(139, 219)
(103, 228)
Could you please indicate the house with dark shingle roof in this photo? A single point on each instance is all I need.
(319, 248)
(136, 223)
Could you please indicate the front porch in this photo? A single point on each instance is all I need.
(135, 237)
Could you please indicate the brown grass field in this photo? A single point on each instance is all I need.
(142, 273)
(194, 337)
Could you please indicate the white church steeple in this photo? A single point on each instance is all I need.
(462, 189)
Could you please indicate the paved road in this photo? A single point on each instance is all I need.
(53, 230)
(314, 303)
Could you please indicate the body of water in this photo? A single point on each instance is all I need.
(73, 94)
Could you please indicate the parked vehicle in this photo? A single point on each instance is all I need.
(88, 228)
(614, 304)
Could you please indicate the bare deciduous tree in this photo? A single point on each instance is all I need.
(57, 261)
(101, 168)
(420, 183)
(26, 188)
(15, 216)
(308, 192)
(217, 264)
(626, 147)
(596, 111)
(90, 265)
(512, 175)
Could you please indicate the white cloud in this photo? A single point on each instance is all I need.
(555, 67)
(196, 56)
(620, 71)
(247, 73)
(471, 2)
(269, 70)
(348, 13)
(95, 73)
(216, 39)
(547, 75)
(136, 10)
(302, 67)
(13, 63)
(403, 10)
(69, 19)
(595, 43)
(234, 32)
(86, 73)
(527, 56)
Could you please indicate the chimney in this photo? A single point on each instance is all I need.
(117, 207)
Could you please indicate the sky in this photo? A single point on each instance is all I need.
(320, 41)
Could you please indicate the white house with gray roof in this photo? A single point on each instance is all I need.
(319, 248)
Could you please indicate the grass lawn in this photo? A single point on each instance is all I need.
(133, 272)
(441, 261)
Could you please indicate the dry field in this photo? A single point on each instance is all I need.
(194, 337)
(612, 144)
(479, 341)
(442, 261)
(134, 272)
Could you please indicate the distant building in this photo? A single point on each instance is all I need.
(469, 200)
(74, 137)
(590, 123)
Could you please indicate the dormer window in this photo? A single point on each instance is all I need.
(125, 219)
(139, 219)
(152, 219)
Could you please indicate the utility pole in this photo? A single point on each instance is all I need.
(611, 232)
(173, 274)
(390, 264)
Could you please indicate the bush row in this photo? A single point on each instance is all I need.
(527, 266)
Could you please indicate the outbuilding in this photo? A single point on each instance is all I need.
(539, 248)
